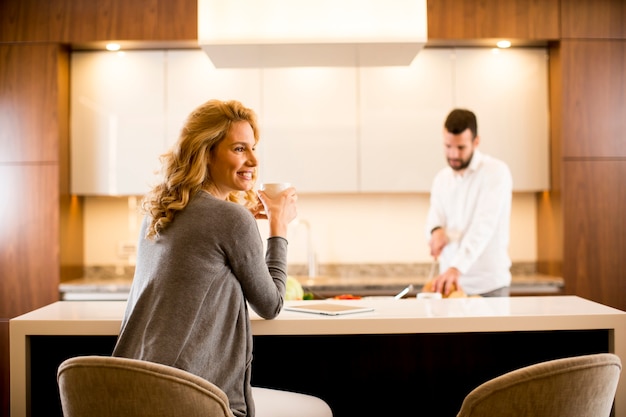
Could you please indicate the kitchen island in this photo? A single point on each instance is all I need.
(404, 353)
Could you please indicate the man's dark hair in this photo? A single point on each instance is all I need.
(460, 119)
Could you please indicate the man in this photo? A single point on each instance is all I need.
(470, 208)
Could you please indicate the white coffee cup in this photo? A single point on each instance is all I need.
(273, 189)
(429, 295)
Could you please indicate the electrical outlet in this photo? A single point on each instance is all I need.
(126, 249)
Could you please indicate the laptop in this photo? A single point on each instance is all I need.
(328, 309)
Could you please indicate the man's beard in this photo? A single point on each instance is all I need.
(464, 164)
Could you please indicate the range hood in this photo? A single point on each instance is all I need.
(296, 33)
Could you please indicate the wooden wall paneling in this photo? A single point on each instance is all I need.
(593, 148)
(71, 237)
(29, 271)
(29, 131)
(550, 233)
(28, 110)
(29, 242)
(593, 19)
(85, 21)
(549, 207)
(594, 198)
(479, 19)
(152, 20)
(47, 21)
(594, 98)
(555, 87)
(29, 183)
(4, 365)
(29, 180)
(71, 207)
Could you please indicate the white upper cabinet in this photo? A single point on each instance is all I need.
(193, 80)
(309, 128)
(324, 129)
(307, 116)
(508, 91)
(117, 121)
(401, 111)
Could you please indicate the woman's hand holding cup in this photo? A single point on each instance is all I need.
(279, 201)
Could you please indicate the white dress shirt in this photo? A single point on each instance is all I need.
(474, 208)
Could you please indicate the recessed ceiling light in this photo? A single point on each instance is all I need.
(113, 46)
(503, 44)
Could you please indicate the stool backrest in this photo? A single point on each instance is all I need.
(101, 386)
(582, 386)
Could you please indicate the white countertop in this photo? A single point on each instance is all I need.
(506, 314)
(390, 316)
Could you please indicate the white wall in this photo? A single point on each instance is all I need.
(346, 229)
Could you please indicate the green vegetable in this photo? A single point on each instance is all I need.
(294, 289)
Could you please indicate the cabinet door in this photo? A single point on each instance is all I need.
(309, 128)
(508, 91)
(117, 121)
(402, 110)
(192, 80)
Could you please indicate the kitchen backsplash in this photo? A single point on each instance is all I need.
(347, 232)
(105, 272)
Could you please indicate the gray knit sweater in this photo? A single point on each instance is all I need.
(187, 305)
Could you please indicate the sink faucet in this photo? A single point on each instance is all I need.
(311, 256)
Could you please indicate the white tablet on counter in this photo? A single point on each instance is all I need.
(328, 309)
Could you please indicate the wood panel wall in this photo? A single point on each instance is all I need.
(492, 19)
(593, 19)
(594, 101)
(86, 21)
(41, 231)
(26, 94)
(30, 126)
(595, 230)
(587, 105)
(549, 207)
(4, 366)
(593, 160)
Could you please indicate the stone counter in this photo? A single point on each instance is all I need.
(322, 287)
(117, 288)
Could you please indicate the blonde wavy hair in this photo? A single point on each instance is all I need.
(185, 166)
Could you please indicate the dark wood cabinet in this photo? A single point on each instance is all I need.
(493, 19)
(79, 22)
(29, 116)
(594, 197)
(593, 19)
(588, 105)
(593, 99)
(42, 232)
(31, 123)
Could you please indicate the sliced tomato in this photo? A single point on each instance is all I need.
(347, 297)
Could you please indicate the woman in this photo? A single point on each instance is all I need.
(200, 262)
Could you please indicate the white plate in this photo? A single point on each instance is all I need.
(378, 297)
